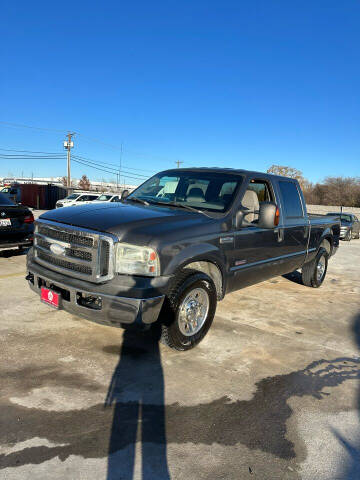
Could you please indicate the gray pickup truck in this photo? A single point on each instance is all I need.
(175, 246)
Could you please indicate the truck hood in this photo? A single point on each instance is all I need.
(127, 221)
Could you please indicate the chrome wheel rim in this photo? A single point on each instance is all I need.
(320, 270)
(193, 312)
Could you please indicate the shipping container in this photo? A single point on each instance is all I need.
(42, 197)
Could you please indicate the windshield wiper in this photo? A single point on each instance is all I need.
(137, 199)
(183, 205)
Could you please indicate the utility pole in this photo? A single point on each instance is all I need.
(120, 162)
(68, 145)
(178, 163)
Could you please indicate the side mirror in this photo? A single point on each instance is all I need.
(239, 218)
(124, 194)
(268, 215)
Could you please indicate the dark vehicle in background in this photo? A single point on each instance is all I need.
(176, 246)
(350, 225)
(16, 224)
(12, 192)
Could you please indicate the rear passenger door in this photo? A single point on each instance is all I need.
(293, 229)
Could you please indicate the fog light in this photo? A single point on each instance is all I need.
(89, 301)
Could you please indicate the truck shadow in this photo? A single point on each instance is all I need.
(294, 277)
(136, 392)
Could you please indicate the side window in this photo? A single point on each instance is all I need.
(262, 190)
(257, 191)
(291, 202)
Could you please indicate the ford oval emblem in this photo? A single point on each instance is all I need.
(57, 249)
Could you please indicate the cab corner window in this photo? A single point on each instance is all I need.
(291, 202)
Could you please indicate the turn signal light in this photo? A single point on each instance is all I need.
(277, 217)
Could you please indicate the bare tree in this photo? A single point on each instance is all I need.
(84, 183)
(63, 180)
(286, 171)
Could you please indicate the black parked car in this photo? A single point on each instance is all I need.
(16, 224)
(350, 225)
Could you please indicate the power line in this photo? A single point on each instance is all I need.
(29, 157)
(96, 162)
(117, 166)
(113, 172)
(18, 125)
(85, 137)
(29, 151)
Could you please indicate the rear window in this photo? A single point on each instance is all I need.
(4, 200)
(291, 199)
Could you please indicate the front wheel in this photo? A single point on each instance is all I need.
(314, 272)
(188, 310)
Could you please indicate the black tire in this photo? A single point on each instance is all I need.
(184, 283)
(310, 271)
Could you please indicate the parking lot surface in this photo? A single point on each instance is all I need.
(271, 393)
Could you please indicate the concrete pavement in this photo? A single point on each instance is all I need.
(271, 393)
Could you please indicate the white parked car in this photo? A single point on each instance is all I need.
(77, 199)
(108, 197)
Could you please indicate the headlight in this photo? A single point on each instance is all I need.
(134, 260)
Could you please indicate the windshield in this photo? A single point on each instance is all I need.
(343, 217)
(73, 196)
(201, 190)
(103, 198)
(5, 200)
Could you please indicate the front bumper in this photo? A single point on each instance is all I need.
(119, 311)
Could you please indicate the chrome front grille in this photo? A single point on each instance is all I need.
(73, 251)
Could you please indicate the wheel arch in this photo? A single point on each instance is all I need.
(212, 270)
(205, 258)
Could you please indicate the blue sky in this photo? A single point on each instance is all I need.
(211, 83)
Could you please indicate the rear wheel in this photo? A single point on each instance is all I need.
(314, 272)
(188, 310)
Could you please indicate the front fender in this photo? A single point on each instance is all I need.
(194, 253)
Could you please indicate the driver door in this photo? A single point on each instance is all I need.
(256, 252)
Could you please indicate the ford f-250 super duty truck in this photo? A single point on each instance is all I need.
(175, 246)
